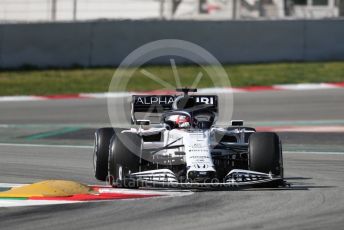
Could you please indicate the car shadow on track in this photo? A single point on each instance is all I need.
(291, 183)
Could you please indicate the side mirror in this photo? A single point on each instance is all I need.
(143, 122)
(237, 122)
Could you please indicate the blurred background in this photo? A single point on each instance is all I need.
(74, 46)
(78, 10)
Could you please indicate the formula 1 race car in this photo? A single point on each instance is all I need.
(186, 149)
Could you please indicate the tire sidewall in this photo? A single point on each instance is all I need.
(123, 160)
(101, 152)
(265, 153)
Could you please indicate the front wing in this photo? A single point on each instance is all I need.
(235, 179)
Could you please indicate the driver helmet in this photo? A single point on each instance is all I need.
(180, 121)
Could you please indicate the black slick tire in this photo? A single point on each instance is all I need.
(102, 140)
(265, 153)
(124, 159)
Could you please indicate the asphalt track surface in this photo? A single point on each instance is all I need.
(314, 201)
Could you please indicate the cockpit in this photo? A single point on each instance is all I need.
(189, 119)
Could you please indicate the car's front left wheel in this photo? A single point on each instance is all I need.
(102, 138)
(124, 159)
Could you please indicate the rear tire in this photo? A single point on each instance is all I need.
(102, 138)
(265, 153)
(124, 159)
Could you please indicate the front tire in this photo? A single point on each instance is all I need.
(124, 159)
(265, 154)
(102, 138)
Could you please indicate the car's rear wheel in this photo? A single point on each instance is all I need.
(102, 138)
(265, 153)
(124, 159)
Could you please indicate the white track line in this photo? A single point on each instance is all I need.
(47, 146)
(314, 152)
(306, 86)
(21, 98)
(163, 192)
(10, 185)
(20, 203)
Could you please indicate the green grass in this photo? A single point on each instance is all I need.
(69, 81)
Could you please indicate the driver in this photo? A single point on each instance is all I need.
(180, 121)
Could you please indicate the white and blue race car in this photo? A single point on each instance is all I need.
(186, 149)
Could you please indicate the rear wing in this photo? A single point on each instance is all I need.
(162, 103)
